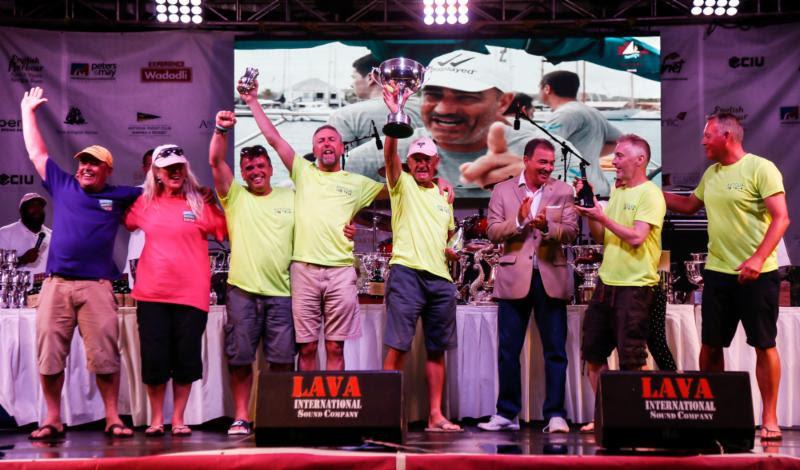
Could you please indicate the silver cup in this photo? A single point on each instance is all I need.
(247, 82)
(399, 74)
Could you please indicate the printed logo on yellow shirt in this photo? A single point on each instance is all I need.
(282, 210)
(735, 187)
(344, 190)
(629, 206)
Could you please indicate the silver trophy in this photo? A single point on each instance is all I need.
(248, 80)
(399, 74)
(694, 273)
(586, 261)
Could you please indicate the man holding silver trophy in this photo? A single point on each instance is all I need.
(422, 221)
(322, 271)
(260, 222)
(464, 95)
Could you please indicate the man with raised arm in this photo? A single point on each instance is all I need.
(260, 227)
(420, 284)
(322, 273)
(86, 213)
(745, 203)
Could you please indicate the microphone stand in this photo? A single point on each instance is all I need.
(565, 149)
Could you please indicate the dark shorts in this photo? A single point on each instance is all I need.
(411, 293)
(726, 302)
(617, 317)
(253, 319)
(171, 339)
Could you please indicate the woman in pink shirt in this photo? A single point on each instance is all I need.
(173, 281)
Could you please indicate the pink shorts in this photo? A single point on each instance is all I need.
(326, 293)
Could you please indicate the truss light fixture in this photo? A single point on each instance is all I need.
(715, 7)
(446, 11)
(179, 11)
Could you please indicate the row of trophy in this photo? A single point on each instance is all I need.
(14, 284)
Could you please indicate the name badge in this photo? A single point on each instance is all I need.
(106, 204)
(188, 216)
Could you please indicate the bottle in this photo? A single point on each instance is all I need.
(585, 197)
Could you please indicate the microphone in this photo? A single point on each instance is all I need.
(517, 114)
(377, 136)
(39, 240)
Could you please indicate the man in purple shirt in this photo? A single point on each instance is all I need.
(86, 213)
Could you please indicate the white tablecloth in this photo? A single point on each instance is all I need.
(471, 387)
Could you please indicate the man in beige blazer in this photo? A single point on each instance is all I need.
(533, 215)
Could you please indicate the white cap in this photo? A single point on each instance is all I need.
(166, 155)
(468, 71)
(30, 197)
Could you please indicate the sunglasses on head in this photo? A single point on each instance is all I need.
(170, 151)
(253, 151)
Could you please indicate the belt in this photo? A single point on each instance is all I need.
(74, 278)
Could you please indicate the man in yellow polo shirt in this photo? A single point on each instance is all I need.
(260, 227)
(322, 271)
(630, 231)
(747, 215)
(419, 283)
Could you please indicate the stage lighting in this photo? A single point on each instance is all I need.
(446, 11)
(697, 10)
(732, 11)
(179, 11)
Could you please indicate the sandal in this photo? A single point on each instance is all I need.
(52, 435)
(240, 427)
(181, 431)
(109, 432)
(768, 434)
(154, 431)
(444, 426)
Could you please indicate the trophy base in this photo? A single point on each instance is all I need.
(398, 130)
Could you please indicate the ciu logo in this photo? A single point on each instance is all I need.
(332, 386)
(677, 388)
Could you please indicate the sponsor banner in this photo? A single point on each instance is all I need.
(25, 69)
(148, 124)
(92, 71)
(746, 73)
(138, 91)
(166, 71)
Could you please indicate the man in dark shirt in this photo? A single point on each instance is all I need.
(86, 213)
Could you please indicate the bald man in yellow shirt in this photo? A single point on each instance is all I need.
(618, 315)
(747, 216)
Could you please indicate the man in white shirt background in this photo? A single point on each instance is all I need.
(23, 235)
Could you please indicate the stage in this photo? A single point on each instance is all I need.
(208, 447)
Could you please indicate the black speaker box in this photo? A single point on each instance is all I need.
(674, 410)
(329, 408)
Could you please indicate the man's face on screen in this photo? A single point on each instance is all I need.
(458, 120)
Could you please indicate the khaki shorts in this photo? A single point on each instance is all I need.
(90, 305)
(327, 292)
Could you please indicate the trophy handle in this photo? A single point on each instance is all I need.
(375, 75)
